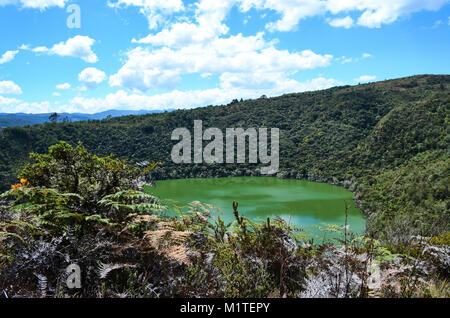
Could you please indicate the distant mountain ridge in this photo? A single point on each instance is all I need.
(24, 119)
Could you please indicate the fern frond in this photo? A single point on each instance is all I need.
(12, 234)
(105, 269)
(42, 283)
(99, 219)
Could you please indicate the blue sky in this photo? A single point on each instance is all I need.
(160, 54)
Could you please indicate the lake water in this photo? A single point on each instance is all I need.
(302, 203)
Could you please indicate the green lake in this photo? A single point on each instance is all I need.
(302, 203)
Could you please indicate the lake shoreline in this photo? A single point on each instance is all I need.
(350, 185)
(307, 204)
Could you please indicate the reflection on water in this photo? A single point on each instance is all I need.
(302, 203)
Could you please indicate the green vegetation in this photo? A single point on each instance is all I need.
(387, 142)
(72, 207)
(352, 136)
(411, 199)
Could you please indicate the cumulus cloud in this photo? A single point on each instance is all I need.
(194, 98)
(162, 68)
(345, 60)
(91, 77)
(199, 46)
(346, 22)
(198, 43)
(9, 105)
(370, 13)
(365, 79)
(376, 13)
(291, 11)
(156, 11)
(79, 46)
(174, 99)
(63, 86)
(9, 87)
(13, 105)
(207, 25)
(8, 56)
(184, 33)
(35, 4)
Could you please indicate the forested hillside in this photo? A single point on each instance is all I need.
(388, 142)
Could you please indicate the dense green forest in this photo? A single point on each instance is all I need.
(387, 142)
(71, 202)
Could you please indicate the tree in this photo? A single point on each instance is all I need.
(74, 170)
(53, 117)
(69, 186)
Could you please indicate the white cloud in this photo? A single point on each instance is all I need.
(8, 56)
(40, 49)
(346, 22)
(372, 13)
(175, 99)
(9, 87)
(91, 77)
(365, 79)
(79, 46)
(209, 15)
(56, 94)
(162, 68)
(292, 12)
(63, 86)
(24, 47)
(196, 98)
(184, 33)
(156, 11)
(270, 84)
(208, 25)
(345, 60)
(197, 44)
(7, 103)
(35, 4)
(376, 13)
(189, 99)
(12, 105)
(437, 23)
